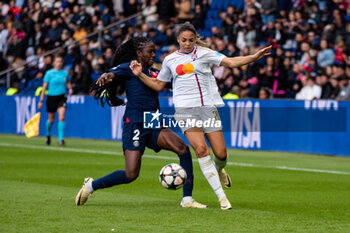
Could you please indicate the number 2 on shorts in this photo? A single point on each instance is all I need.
(137, 134)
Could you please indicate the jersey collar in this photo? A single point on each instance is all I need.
(183, 54)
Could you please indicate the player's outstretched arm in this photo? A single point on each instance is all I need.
(233, 62)
(105, 78)
(153, 83)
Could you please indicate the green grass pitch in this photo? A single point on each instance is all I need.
(272, 191)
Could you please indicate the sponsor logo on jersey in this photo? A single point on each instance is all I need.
(186, 68)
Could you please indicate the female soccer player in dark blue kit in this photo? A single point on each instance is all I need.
(135, 138)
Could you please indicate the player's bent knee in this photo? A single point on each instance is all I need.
(131, 176)
(202, 151)
(182, 149)
(222, 154)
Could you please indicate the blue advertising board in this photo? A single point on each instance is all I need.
(318, 126)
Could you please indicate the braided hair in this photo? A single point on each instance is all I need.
(126, 52)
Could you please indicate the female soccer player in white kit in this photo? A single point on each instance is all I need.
(195, 96)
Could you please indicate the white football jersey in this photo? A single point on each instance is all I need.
(193, 82)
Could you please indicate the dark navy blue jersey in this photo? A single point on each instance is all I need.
(140, 98)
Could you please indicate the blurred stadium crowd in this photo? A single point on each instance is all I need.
(310, 39)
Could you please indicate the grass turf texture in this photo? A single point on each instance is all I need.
(39, 184)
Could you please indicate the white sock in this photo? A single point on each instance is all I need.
(219, 164)
(212, 176)
(186, 199)
(89, 185)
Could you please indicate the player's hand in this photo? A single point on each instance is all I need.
(263, 52)
(136, 67)
(70, 91)
(105, 78)
(40, 105)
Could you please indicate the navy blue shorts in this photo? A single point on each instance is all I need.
(135, 137)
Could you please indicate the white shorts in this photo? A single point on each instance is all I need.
(204, 117)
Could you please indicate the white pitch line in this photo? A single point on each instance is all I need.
(169, 158)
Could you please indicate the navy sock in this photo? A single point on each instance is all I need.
(115, 178)
(186, 163)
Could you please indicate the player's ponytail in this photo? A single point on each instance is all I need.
(123, 53)
(189, 27)
(201, 43)
(107, 93)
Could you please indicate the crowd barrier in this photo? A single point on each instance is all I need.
(319, 126)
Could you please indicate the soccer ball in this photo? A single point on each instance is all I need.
(172, 176)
